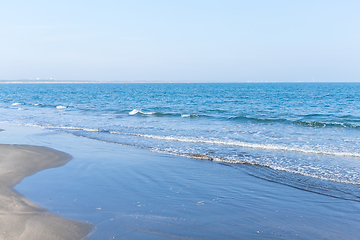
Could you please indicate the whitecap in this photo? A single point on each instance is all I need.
(60, 107)
(133, 112)
(189, 115)
(15, 104)
(147, 113)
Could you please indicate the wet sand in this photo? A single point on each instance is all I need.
(21, 218)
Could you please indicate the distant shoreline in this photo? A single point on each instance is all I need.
(145, 82)
(47, 82)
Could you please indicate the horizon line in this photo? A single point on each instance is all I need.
(126, 82)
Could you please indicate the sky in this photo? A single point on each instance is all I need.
(181, 41)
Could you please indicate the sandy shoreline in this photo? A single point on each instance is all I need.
(19, 217)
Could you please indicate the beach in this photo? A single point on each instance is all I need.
(179, 120)
(20, 218)
(133, 193)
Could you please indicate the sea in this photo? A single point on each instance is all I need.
(303, 135)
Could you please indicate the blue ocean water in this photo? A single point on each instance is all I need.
(305, 135)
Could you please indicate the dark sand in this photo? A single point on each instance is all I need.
(19, 217)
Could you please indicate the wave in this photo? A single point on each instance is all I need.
(51, 106)
(303, 123)
(250, 161)
(239, 158)
(60, 107)
(346, 121)
(135, 111)
(190, 115)
(235, 143)
(16, 104)
(66, 127)
(328, 186)
(254, 119)
(317, 124)
(157, 114)
(232, 143)
(161, 114)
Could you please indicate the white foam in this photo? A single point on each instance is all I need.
(15, 104)
(244, 144)
(65, 127)
(148, 113)
(297, 170)
(251, 162)
(218, 142)
(74, 128)
(60, 107)
(135, 111)
(185, 115)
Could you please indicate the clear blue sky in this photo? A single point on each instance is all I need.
(181, 41)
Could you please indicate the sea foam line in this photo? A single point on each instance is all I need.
(65, 127)
(232, 143)
(221, 159)
(256, 163)
(242, 144)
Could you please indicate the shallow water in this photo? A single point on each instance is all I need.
(310, 130)
(131, 193)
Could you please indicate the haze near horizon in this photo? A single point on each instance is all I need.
(180, 41)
